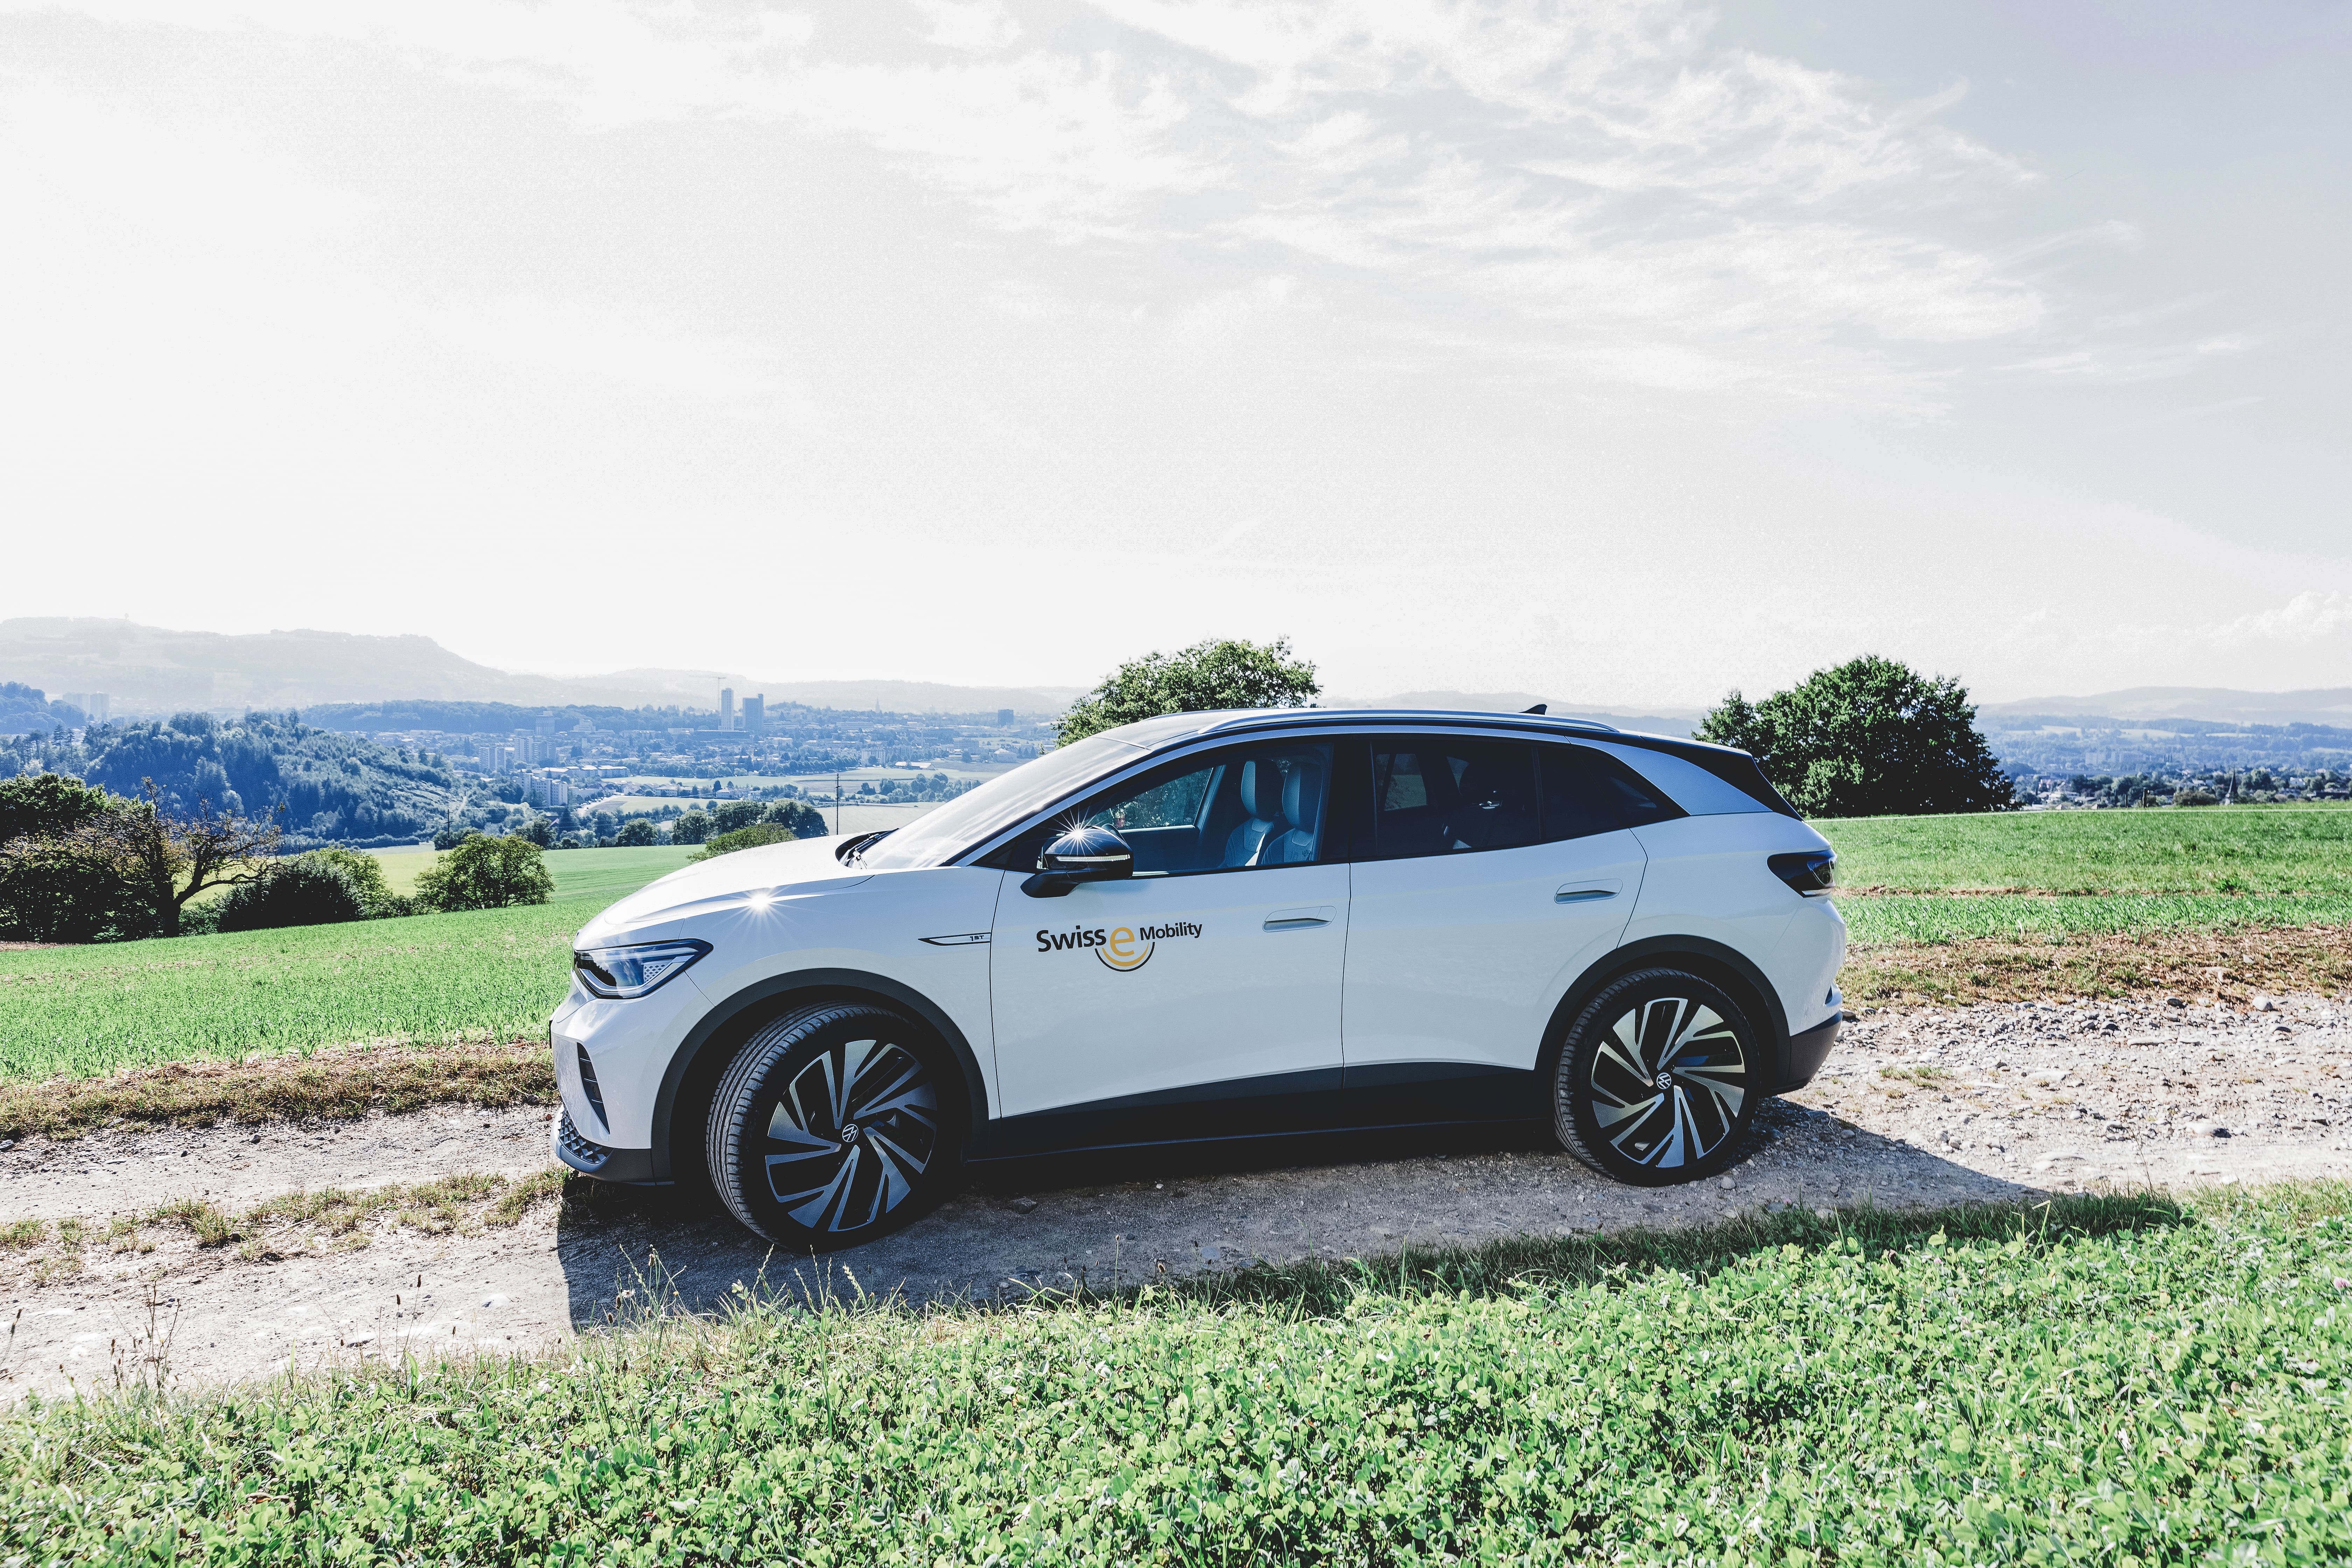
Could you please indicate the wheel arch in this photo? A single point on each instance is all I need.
(1711, 960)
(701, 1058)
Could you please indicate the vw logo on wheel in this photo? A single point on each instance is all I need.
(849, 1132)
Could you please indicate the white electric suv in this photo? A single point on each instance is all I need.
(1210, 926)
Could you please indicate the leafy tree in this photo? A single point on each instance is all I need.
(49, 891)
(41, 803)
(303, 891)
(1869, 738)
(804, 820)
(450, 834)
(160, 859)
(752, 838)
(693, 827)
(533, 828)
(486, 873)
(736, 814)
(635, 834)
(1207, 676)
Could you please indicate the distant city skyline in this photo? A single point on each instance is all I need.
(1635, 351)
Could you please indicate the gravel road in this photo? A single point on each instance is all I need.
(1915, 1108)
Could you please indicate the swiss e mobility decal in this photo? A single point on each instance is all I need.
(1123, 948)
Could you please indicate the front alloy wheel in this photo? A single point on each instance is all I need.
(1658, 1080)
(830, 1127)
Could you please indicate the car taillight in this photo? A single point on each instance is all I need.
(1810, 871)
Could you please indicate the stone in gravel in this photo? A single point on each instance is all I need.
(1024, 1206)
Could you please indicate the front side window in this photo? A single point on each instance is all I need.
(1235, 809)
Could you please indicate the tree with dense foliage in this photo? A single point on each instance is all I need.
(47, 804)
(635, 834)
(49, 890)
(450, 834)
(161, 857)
(1869, 738)
(803, 820)
(1208, 676)
(756, 836)
(486, 873)
(693, 827)
(733, 816)
(301, 891)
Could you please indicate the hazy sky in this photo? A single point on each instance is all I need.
(1627, 352)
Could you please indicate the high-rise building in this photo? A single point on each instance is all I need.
(755, 712)
(93, 703)
(726, 708)
(1004, 718)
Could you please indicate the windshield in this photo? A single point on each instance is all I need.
(931, 839)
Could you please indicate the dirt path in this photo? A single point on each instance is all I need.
(1919, 1108)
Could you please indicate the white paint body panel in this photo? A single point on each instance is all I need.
(1708, 878)
(769, 913)
(1462, 958)
(1237, 1001)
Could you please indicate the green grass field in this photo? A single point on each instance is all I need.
(2118, 1381)
(2066, 876)
(2214, 849)
(427, 979)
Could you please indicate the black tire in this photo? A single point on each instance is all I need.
(835, 1124)
(1658, 1079)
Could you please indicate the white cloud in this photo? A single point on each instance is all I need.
(1603, 174)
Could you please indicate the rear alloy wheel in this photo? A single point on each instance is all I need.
(1658, 1079)
(831, 1127)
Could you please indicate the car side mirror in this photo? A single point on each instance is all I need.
(1082, 855)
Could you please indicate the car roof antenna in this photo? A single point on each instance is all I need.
(1539, 708)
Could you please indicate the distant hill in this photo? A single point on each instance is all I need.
(150, 670)
(2330, 706)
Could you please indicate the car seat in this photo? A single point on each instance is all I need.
(1261, 795)
(1302, 810)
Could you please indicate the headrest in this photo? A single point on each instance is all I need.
(1302, 795)
(1259, 781)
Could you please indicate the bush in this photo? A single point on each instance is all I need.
(487, 874)
(753, 837)
(635, 834)
(365, 873)
(303, 891)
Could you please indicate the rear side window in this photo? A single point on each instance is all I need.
(1636, 801)
(1578, 802)
(1435, 795)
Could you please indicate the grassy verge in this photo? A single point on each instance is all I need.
(344, 1081)
(1924, 918)
(2234, 849)
(334, 1219)
(2116, 1379)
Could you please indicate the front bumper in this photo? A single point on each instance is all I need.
(1802, 1057)
(591, 1159)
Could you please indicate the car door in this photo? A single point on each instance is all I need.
(1198, 998)
(1487, 873)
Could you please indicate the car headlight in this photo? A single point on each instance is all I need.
(635, 970)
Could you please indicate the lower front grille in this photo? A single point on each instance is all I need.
(577, 1152)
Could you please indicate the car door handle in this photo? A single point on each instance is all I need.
(1584, 892)
(1300, 919)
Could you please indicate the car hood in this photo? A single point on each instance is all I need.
(775, 870)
